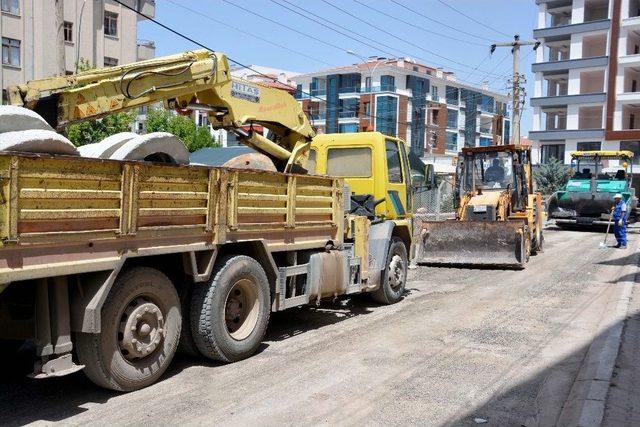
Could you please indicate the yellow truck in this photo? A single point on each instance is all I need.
(109, 266)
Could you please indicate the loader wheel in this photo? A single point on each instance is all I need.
(394, 277)
(141, 324)
(229, 315)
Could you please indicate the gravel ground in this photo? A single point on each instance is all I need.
(500, 346)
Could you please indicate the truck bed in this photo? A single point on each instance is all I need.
(66, 215)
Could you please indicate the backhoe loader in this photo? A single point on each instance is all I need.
(498, 214)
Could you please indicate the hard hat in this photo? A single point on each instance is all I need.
(618, 196)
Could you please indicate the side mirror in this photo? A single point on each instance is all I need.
(429, 177)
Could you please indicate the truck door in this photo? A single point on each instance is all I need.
(397, 181)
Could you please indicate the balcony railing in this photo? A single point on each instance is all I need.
(347, 114)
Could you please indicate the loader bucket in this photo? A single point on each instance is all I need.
(474, 243)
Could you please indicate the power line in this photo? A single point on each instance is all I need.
(247, 33)
(473, 19)
(440, 23)
(190, 39)
(448, 37)
(393, 35)
(376, 46)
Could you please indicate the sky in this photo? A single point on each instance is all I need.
(433, 32)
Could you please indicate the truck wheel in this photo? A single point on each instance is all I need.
(394, 277)
(229, 315)
(187, 344)
(141, 324)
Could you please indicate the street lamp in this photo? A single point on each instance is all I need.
(371, 71)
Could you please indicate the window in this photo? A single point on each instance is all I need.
(434, 92)
(311, 162)
(203, 120)
(348, 127)
(10, 52)
(453, 95)
(349, 108)
(349, 162)
(367, 109)
(550, 151)
(452, 119)
(367, 83)
(110, 62)
(387, 83)
(394, 164)
(589, 146)
(110, 24)
(68, 31)
(633, 146)
(11, 6)
(451, 143)
(386, 114)
(485, 142)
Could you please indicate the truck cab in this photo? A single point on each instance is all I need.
(375, 167)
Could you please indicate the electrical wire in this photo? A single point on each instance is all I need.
(421, 28)
(219, 22)
(440, 23)
(382, 30)
(190, 39)
(324, 22)
(472, 18)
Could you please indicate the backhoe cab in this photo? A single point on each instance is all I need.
(595, 177)
(498, 214)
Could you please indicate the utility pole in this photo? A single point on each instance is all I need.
(517, 80)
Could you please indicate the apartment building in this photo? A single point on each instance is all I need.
(587, 75)
(427, 107)
(101, 32)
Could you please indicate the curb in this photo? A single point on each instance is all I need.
(596, 372)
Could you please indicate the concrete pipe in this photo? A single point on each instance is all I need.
(37, 141)
(14, 118)
(155, 147)
(105, 148)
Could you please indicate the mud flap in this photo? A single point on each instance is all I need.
(474, 243)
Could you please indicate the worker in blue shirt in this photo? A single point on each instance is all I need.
(619, 213)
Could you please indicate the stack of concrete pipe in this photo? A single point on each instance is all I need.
(23, 130)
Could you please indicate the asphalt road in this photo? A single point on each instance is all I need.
(501, 346)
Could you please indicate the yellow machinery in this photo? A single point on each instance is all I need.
(120, 260)
(498, 213)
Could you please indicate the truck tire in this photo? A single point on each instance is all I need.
(229, 314)
(394, 277)
(187, 344)
(141, 324)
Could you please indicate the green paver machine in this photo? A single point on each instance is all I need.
(596, 176)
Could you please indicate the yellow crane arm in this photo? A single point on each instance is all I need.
(195, 80)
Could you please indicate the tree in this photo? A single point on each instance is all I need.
(551, 176)
(96, 130)
(183, 127)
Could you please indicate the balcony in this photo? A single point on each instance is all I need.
(146, 7)
(631, 117)
(146, 50)
(560, 67)
(348, 115)
(562, 31)
(563, 101)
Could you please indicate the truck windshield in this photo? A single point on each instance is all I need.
(600, 169)
(493, 170)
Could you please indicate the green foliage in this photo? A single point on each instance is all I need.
(551, 177)
(183, 127)
(97, 130)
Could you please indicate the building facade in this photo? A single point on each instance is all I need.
(38, 43)
(426, 107)
(587, 75)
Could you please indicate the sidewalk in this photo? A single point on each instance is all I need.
(623, 400)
